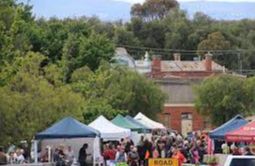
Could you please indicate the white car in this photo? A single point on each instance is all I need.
(240, 161)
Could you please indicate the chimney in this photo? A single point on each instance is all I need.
(177, 57)
(156, 64)
(208, 62)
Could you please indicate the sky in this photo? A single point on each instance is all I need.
(139, 1)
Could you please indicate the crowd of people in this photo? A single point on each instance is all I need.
(191, 149)
(172, 145)
(236, 149)
(19, 155)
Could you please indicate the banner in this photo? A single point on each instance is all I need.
(163, 162)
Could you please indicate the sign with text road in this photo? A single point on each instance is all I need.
(163, 162)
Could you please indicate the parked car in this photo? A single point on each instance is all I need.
(240, 161)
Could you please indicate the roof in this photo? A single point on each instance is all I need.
(246, 133)
(108, 130)
(129, 118)
(148, 122)
(67, 128)
(168, 66)
(122, 57)
(119, 120)
(232, 124)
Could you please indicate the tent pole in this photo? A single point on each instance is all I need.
(36, 151)
(94, 151)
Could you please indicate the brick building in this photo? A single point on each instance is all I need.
(177, 79)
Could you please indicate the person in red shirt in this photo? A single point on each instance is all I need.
(177, 154)
(109, 154)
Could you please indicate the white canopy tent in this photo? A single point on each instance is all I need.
(108, 130)
(148, 122)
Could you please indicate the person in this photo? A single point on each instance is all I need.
(12, 158)
(44, 157)
(3, 157)
(133, 157)
(83, 155)
(141, 141)
(195, 155)
(69, 155)
(236, 151)
(201, 150)
(121, 156)
(55, 155)
(59, 156)
(20, 157)
(155, 153)
(179, 156)
(109, 155)
(248, 151)
(225, 148)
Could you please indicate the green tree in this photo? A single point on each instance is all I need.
(30, 103)
(214, 41)
(153, 9)
(221, 98)
(93, 50)
(120, 88)
(125, 37)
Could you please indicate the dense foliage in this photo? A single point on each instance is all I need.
(223, 97)
(54, 68)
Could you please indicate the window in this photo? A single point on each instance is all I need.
(167, 120)
(186, 116)
(243, 162)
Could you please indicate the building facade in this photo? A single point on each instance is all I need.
(177, 78)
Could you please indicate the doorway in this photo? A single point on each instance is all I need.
(186, 123)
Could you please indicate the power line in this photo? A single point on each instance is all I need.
(182, 50)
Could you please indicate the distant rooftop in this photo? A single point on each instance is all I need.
(168, 66)
(144, 65)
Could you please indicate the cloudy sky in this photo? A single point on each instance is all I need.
(136, 1)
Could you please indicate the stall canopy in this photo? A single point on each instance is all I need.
(148, 122)
(145, 128)
(67, 128)
(108, 130)
(232, 124)
(245, 133)
(121, 121)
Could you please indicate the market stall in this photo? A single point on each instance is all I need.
(144, 128)
(233, 124)
(121, 121)
(245, 133)
(141, 118)
(108, 130)
(69, 132)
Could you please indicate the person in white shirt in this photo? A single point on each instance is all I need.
(69, 155)
(20, 158)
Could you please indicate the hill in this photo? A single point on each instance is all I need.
(115, 10)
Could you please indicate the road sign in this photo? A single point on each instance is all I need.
(163, 162)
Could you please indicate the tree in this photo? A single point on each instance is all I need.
(118, 90)
(93, 50)
(153, 9)
(15, 27)
(70, 54)
(29, 103)
(96, 108)
(178, 29)
(250, 91)
(221, 98)
(124, 37)
(214, 41)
